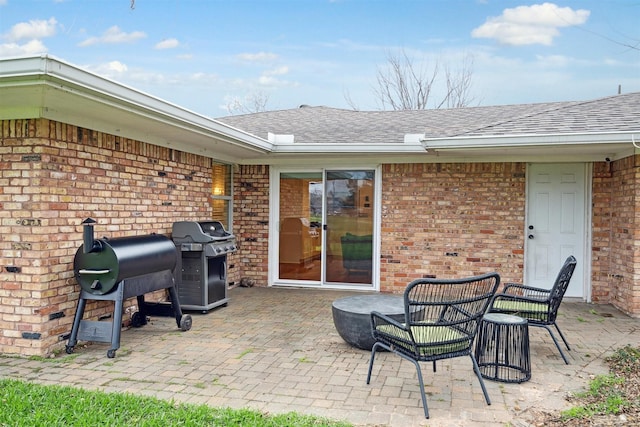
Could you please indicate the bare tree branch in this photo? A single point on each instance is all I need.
(253, 103)
(458, 86)
(403, 85)
(350, 102)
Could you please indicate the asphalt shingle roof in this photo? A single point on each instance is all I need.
(332, 125)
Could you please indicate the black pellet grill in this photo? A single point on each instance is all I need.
(203, 247)
(117, 269)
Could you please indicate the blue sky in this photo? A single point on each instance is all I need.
(205, 55)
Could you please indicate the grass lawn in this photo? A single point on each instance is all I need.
(27, 404)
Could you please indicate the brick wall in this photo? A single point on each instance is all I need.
(446, 220)
(624, 264)
(53, 176)
(251, 221)
(601, 250)
(451, 220)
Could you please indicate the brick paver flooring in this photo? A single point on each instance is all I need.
(277, 350)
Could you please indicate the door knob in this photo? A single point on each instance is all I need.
(530, 236)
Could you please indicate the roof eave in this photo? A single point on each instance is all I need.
(61, 91)
(595, 146)
(521, 140)
(350, 148)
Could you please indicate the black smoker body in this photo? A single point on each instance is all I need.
(117, 269)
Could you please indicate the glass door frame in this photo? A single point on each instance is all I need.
(274, 229)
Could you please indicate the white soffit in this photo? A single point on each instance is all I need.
(44, 87)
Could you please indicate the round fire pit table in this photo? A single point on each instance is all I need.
(352, 316)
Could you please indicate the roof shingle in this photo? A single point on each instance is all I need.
(331, 125)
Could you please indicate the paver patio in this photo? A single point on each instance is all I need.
(277, 350)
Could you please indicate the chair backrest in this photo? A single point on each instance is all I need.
(560, 285)
(459, 303)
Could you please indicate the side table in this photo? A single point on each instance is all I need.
(502, 348)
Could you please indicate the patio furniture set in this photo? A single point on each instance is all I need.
(439, 319)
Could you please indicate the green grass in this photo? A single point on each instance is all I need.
(26, 404)
(605, 398)
(610, 394)
(244, 353)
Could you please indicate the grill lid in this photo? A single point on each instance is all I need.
(199, 232)
(214, 228)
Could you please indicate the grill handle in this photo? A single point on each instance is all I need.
(87, 271)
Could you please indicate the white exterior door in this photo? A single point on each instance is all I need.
(556, 224)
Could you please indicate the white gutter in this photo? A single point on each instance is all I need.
(357, 148)
(529, 140)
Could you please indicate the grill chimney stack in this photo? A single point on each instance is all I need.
(87, 235)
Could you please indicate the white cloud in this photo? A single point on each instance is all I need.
(258, 57)
(32, 47)
(167, 44)
(202, 77)
(279, 71)
(3, 2)
(114, 35)
(273, 82)
(525, 25)
(268, 81)
(34, 29)
(111, 69)
(122, 73)
(554, 61)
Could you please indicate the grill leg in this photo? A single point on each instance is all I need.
(175, 304)
(73, 338)
(184, 321)
(116, 326)
(142, 313)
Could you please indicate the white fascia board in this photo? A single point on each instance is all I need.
(335, 148)
(532, 140)
(67, 77)
(23, 66)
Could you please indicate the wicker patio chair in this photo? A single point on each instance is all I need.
(538, 306)
(441, 321)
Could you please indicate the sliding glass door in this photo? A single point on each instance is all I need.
(349, 226)
(326, 228)
(300, 226)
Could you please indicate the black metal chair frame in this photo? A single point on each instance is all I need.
(442, 317)
(520, 300)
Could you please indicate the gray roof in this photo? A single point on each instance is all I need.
(617, 113)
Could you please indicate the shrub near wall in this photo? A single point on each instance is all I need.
(451, 220)
(52, 177)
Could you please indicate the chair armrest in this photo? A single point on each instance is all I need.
(518, 298)
(378, 319)
(393, 334)
(522, 291)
